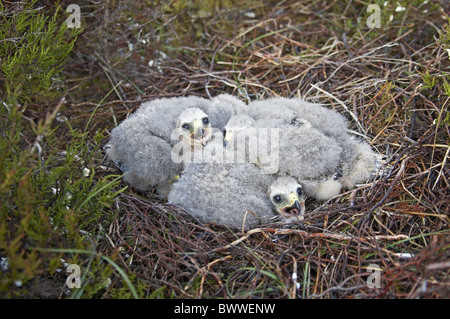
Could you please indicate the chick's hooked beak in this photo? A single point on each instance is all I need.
(296, 207)
(200, 134)
(227, 138)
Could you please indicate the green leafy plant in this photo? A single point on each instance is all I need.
(53, 200)
(33, 46)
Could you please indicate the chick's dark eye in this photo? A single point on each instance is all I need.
(185, 126)
(205, 120)
(277, 198)
(299, 191)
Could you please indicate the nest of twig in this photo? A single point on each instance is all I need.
(331, 254)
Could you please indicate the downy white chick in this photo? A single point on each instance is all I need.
(142, 145)
(298, 150)
(314, 145)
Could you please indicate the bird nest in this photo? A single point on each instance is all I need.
(384, 239)
(333, 253)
